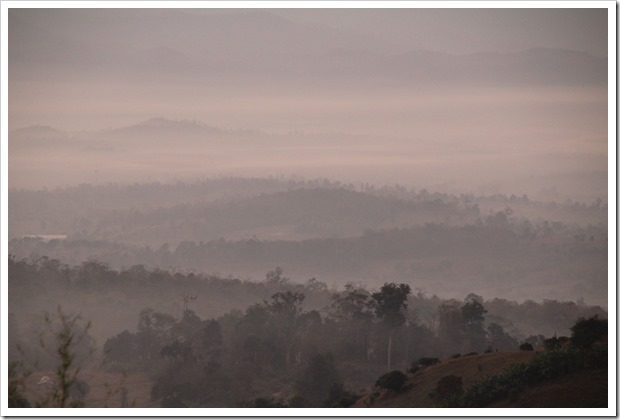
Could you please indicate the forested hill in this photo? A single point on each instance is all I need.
(495, 261)
(243, 208)
(497, 245)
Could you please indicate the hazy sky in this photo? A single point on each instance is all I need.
(82, 50)
(523, 91)
(471, 30)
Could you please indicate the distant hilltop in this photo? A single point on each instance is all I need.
(46, 238)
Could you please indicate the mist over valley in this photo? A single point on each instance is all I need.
(261, 208)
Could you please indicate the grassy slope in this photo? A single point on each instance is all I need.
(586, 388)
(422, 383)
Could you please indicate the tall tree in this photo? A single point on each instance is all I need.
(353, 312)
(286, 309)
(588, 331)
(472, 313)
(450, 330)
(154, 331)
(391, 302)
(500, 339)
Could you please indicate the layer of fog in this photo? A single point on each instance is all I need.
(530, 141)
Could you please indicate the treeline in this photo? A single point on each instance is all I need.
(499, 254)
(234, 207)
(115, 298)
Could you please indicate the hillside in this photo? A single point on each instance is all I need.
(263, 208)
(494, 245)
(587, 388)
(420, 385)
(583, 388)
(488, 260)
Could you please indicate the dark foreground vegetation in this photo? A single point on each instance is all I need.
(570, 374)
(291, 345)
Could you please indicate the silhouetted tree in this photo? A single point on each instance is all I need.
(314, 285)
(154, 331)
(353, 311)
(285, 308)
(275, 277)
(587, 331)
(391, 302)
(555, 342)
(499, 339)
(392, 381)
(472, 315)
(450, 328)
(256, 339)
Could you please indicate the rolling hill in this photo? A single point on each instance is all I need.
(583, 388)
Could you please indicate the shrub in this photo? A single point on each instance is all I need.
(392, 381)
(586, 332)
(339, 396)
(555, 343)
(503, 385)
(428, 361)
(526, 347)
(414, 368)
(544, 366)
(448, 391)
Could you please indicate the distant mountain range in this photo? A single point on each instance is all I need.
(180, 130)
(261, 47)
